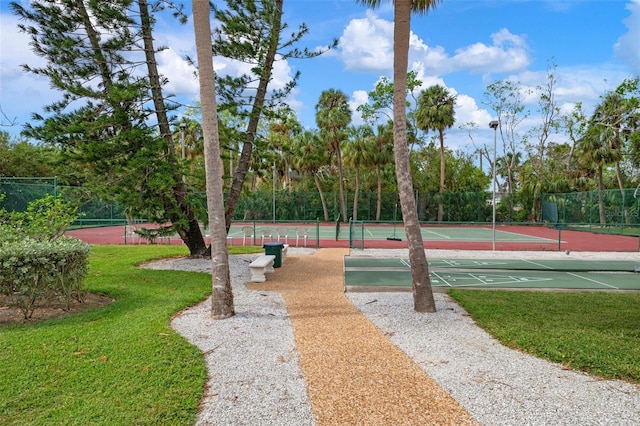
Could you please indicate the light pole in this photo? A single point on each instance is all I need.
(494, 125)
(183, 127)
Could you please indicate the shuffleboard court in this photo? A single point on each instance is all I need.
(393, 274)
(367, 263)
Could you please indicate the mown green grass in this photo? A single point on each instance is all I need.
(117, 365)
(598, 333)
(124, 365)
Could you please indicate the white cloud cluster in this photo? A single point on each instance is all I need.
(366, 49)
(628, 45)
(21, 94)
(367, 45)
(508, 53)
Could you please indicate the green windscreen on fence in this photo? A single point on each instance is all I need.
(550, 212)
(614, 209)
(610, 207)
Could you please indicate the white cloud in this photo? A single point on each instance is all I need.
(429, 59)
(426, 79)
(627, 47)
(367, 44)
(179, 72)
(358, 97)
(467, 111)
(281, 74)
(507, 54)
(21, 93)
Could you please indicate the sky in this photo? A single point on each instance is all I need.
(464, 45)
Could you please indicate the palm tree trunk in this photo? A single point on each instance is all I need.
(625, 208)
(422, 293)
(356, 194)
(222, 294)
(603, 216)
(442, 172)
(325, 210)
(343, 204)
(379, 190)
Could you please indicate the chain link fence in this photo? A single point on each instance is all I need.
(594, 209)
(610, 210)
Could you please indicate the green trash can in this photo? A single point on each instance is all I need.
(276, 250)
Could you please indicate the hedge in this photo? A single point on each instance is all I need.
(32, 269)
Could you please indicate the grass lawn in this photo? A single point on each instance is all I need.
(598, 333)
(118, 365)
(124, 365)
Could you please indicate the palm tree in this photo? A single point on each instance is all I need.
(188, 133)
(358, 152)
(613, 116)
(333, 115)
(422, 293)
(436, 112)
(281, 134)
(594, 153)
(222, 295)
(311, 156)
(383, 156)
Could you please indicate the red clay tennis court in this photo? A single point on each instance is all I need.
(479, 237)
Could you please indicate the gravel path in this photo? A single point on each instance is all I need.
(267, 368)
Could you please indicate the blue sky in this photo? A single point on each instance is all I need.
(463, 44)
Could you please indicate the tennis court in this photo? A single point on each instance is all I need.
(377, 235)
(377, 232)
(454, 233)
(366, 274)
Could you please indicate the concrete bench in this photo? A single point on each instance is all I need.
(261, 266)
(284, 251)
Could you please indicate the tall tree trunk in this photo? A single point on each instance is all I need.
(603, 216)
(422, 293)
(356, 194)
(222, 295)
(94, 40)
(343, 204)
(254, 118)
(191, 234)
(625, 208)
(325, 210)
(379, 192)
(442, 173)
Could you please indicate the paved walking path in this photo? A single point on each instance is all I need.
(354, 374)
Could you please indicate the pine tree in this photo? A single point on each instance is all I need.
(101, 57)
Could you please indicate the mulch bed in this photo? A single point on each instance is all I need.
(50, 309)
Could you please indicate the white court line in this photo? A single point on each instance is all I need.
(406, 262)
(442, 279)
(482, 282)
(594, 281)
(449, 262)
(527, 237)
(536, 263)
(446, 237)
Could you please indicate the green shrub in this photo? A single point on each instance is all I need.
(31, 269)
(44, 219)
